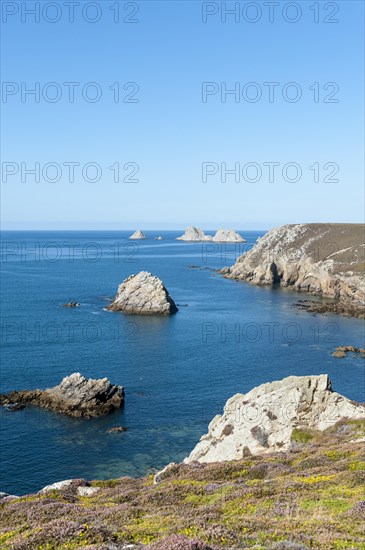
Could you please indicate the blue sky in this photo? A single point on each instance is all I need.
(170, 132)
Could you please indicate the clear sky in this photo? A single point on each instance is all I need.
(170, 129)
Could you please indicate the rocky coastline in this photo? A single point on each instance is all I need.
(326, 260)
(75, 396)
(264, 419)
(315, 477)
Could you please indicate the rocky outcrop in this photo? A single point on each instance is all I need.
(263, 420)
(75, 396)
(137, 235)
(193, 233)
(116, 430)
(143, 294)
(341, 351)
(323, 259)
(228, 236)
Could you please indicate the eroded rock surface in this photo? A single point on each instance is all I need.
(143, 294)
(263, 420)
(137, 235)
(324, 259)
(75, 396)
(193, 233)
(228, 236)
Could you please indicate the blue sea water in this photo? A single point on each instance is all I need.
(178, 372)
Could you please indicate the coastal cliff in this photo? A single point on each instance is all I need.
(265, 419)
(322, 259)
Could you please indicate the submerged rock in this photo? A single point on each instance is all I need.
(75, 396)
(322, 259)
(137, 235)
(116, 429)
(193, 233)
(263, 419)
(143, 294)
(228, 236)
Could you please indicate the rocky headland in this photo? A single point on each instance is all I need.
(75, 396)
(143, 294)
(264, 419)
(308, 495)
(326, 260)
(137, 235)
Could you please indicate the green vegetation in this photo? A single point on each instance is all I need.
(311, 496)
(301, 436)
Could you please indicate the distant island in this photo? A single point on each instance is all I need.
(137, 235)
(196, 234)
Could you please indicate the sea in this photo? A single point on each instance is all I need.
(177, 371)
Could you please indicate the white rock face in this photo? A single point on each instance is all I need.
(87, 491)
(263, 419)
(143, 294)
(323, 259)
(228, 236)
(193, 233)
(58, 486)
(137, 235)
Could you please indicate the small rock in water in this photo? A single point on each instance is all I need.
(339, 354)
(116, 429)
(71, 304)
(341, 351)
(137, 235)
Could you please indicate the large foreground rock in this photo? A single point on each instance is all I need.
(323, 259)
(74, 396)
(228, 236)
(137, 235)
(263, 420)
(143, 294)
(193, 233)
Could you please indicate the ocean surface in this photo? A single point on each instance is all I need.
(178, 372)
